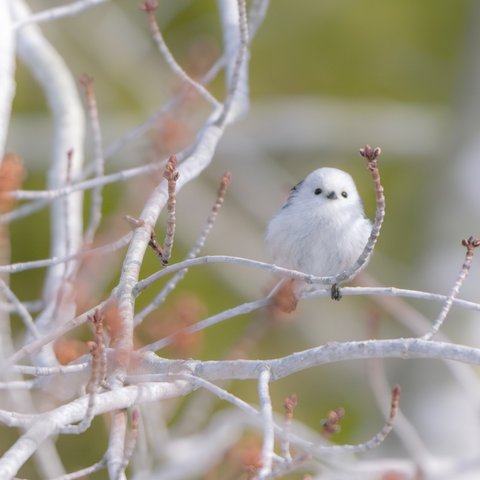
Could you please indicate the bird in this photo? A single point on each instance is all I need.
(322, 228)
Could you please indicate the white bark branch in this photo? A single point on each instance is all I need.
(7, 71)
(58, 12)
(267, 420)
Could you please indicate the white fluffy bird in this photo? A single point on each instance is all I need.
(322, 228)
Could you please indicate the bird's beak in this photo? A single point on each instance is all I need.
(332, 196)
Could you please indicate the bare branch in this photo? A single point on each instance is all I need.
(149, 7)
(19, 308)
(119, 373)
(171, 175)
(160, 298)
(371, 154)
(48, 424)
(58, 12)
(7, 71)
(323, 355)
(98, 160)
(47, 371)
(17, 385)
(116, 444)
(36, 345)
(102, 250)
(470, 244)
(84, 472)
(208, 322)
(289, 404)
(267, 420)
(235, 34)
(404, 429)
(131, 438)
(93, 183)
(97, 375)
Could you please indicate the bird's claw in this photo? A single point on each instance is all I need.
(335, 292)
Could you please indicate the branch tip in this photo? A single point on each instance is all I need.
(86, 81)
(226, 179)
(331, 424)
(395, 402)
(171, 173)
(149, 6)
(370, 153)
(289, 404)
(470, 244)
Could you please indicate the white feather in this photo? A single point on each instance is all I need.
(317, 234)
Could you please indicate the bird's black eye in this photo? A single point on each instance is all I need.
(318, 191)
(344, 194)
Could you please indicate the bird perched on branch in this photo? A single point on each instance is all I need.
(322, 228)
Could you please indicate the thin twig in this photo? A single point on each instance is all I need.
(32, 306)
(208, 322)
(404, 429)
(102, 250)
(418, 323)
(150, 6)
(283, 468)
(371, 155)
(18, 385)
(131, 438)
(170, 286)
(116, 445)
(36, 345)
(156, 247)
(47, 371)
(153, 244)
(58, 12)
(54, 193)
(85, 472)
(267, 421)
(263, 302)
(256, 15)
(97, 375)
(305, 445)
(67, 220)
(237, 71)
(7, 72)
(19, 308)
(380, 436)
(289, 404)
(171, 175)
(470, 244)
(268, 267)
(98, 160)
(134, 134)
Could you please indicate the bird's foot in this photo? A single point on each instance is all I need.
(335, 292)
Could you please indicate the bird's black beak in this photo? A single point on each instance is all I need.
(332, 196)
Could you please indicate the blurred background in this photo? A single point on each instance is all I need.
(326, 77)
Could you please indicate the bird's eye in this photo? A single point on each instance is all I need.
(318, 191)
(344, 194)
